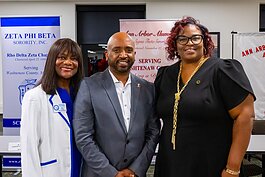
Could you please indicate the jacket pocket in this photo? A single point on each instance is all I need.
(50, 168)
(50, 162)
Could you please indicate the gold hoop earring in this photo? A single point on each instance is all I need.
(204, 51)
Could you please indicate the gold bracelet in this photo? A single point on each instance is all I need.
(231, 172)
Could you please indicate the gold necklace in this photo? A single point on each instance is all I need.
(177, 98)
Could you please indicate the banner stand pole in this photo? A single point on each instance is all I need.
(233, 33)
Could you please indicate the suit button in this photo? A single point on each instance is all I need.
(125, 160)
(127, 142)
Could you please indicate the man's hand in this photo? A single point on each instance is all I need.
(125, 173)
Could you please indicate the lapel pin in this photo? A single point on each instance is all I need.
(138, 85)
(198, 82)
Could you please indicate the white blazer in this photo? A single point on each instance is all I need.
(45, 136)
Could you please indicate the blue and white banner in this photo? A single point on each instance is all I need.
(249, 49)
(25, 45)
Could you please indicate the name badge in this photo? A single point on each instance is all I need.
(59, 107)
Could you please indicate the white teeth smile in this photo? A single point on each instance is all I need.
(123, 62)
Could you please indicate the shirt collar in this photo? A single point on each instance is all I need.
(115, 80)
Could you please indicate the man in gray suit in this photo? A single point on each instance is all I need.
(115, 124)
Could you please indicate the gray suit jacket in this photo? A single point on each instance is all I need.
(100, 131)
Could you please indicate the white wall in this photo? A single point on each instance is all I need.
(223, 17)
(216, 16)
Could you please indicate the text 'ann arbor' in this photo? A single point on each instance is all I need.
(250, 51)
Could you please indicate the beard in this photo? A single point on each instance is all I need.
(122, 68)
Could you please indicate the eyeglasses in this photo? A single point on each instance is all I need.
(195, 39)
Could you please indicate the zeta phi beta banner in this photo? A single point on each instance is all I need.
(249, 49)
(25, 45)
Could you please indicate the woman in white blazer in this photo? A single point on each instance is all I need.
(47, 144)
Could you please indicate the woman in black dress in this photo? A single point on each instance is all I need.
(206, 105)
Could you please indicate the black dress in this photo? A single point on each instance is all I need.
(204, 127)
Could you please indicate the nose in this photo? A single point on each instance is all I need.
(189, 42)
(68, 61)
(123, 54)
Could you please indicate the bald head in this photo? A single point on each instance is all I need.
(120, 36)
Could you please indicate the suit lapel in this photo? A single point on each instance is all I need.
(112, 94)
(135, 94)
